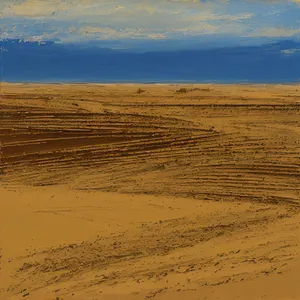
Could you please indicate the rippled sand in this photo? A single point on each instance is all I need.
(149, 191)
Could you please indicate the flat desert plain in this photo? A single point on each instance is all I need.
(127, 192)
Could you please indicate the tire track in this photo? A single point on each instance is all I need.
(165, 148)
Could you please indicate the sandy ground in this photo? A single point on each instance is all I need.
(167, 192)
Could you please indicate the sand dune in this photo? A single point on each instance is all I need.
(167, 192)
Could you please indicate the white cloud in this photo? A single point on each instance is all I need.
(140, 19)
(50, 8)
(37, 8)
(56, 8)
(290, 51)
(105, 33)
(197, 29)
(274, 32)
(208, 16)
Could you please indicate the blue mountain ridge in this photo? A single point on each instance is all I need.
(54, 62)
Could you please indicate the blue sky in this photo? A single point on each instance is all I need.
(131, 22)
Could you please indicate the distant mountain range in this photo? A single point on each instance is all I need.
(52, 62)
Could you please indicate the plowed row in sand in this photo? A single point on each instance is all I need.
(111, 192)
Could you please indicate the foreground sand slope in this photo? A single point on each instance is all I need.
(78, 245)
(167, 192)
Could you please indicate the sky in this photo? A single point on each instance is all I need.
(128, 23)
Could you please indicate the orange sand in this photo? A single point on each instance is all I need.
(107, 193)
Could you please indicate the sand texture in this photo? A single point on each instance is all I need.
(149, 192)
